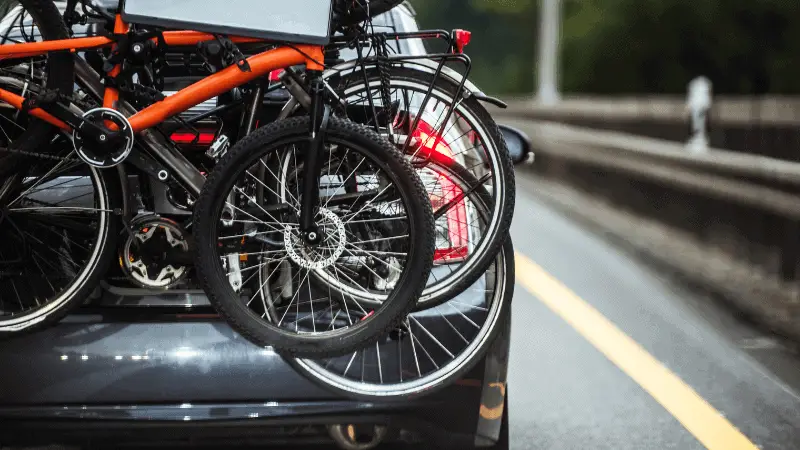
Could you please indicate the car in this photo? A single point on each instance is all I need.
(138, 366)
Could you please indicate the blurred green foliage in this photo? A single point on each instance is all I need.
(504, 34)
(632, 46)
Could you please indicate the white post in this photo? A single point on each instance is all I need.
(549, 37)
(698, 103)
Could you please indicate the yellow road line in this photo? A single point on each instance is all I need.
(692, 411)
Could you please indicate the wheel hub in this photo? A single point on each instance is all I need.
(317, 249)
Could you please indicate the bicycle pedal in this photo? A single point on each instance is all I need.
(219, 147)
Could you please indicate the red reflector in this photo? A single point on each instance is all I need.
(189, 137)
(463, 38)
(275, 75)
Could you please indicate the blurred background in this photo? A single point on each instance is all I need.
(631, 46)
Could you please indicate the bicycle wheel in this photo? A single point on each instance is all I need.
(431, 349)
(451, 189)
(470, 138)
(59, 227)
(260, 273)
(57, 213)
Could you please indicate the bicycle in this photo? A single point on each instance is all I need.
(426, 110)
(105, 138)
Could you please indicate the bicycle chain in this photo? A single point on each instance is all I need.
(84, 106)
(37, 155)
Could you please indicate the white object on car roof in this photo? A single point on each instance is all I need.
(297, 21)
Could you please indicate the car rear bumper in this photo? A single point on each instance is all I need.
(408, 425)
(171, 376)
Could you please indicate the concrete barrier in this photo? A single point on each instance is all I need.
(726, 218)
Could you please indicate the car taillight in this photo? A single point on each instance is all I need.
(190, 137)
(275, 75)
(452, 245)
(455, 247)
(430, 145)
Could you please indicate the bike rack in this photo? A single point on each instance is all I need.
(441, 58)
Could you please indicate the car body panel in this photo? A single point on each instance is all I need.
(131, 356)
(166, 365)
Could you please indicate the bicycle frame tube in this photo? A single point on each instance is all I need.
(224, 81)
(212, 86)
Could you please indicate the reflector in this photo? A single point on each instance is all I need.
(463, 38)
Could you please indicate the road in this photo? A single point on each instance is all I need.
(608, 353)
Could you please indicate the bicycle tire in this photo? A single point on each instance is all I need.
(498, 329)
(90, 276)
(239, 315)
(37, 138)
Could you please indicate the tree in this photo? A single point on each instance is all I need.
(633, 46)
(503, 38)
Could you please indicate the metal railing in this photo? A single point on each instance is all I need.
(767, 126)
(753, 200)
(728, 221)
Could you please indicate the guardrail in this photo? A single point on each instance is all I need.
(752, 200)
(767, 126)
(744, 207)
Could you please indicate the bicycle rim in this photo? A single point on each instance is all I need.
(486, 153)
(431, 349)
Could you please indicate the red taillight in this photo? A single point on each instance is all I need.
(275, 75)
(463, 38)
(450, 254)
(457, 230)
(431, 145)
(190, 137)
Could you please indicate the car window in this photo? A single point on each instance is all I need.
(399, 20)
(407, 24)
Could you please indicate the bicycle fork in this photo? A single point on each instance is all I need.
(320, 117)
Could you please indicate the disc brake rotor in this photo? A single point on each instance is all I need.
(316, 258)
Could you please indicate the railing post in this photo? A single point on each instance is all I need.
(698, 102)
(549, 38)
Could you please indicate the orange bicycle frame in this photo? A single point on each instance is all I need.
(225, 80)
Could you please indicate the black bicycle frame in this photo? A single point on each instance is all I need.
(156, 144)
(168, 155)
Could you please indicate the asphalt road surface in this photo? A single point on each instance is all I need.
(609, 353)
